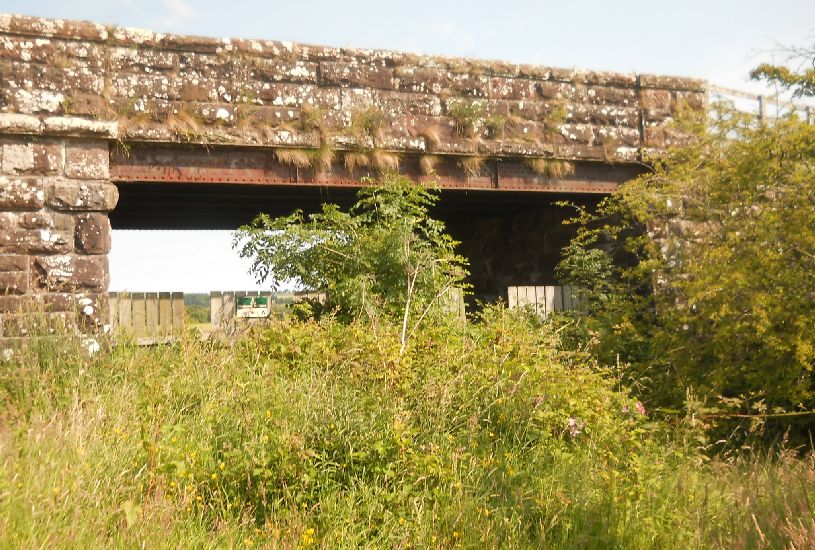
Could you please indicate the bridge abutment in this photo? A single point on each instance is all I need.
(55, 196)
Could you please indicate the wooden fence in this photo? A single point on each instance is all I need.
(149, 317)
(544, 299)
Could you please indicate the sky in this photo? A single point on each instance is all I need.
(718, 40)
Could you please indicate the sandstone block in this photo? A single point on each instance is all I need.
(21, 193)
(49, 157)
(71, 195)
(92, 234)
(577, 133)
(86, 159)
(513, 88)
(356, 75)
(13, 262)
(75, 126)
(36, 241)
(43, 219)
(13, 282)
(657, 103)
(274, 70)
(20, 124)
(17, 157)
(67, 273)
(58, 301)
(8, 220)
(37, 323)
(92, 310)
(14, 303)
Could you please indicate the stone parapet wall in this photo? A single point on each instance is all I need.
(54, 232)
(171, 88)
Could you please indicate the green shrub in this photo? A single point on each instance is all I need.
(700, 273)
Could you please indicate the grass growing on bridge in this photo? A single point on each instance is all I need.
(322, 435)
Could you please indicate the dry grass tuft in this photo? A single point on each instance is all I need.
(551, 168)
(323, 157)
(385, 161)
(354, 160)
(293, 157)
(428, 164)
(472, 165)
(311, 118)
(432, 136)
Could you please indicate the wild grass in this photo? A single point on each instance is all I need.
(551, 168)
(428, 164)
(482, 435)
(293, 157)
(472, 165)
(466, 117)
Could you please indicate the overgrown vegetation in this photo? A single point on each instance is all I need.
(700, 276)
(321, 434)
(383, 258)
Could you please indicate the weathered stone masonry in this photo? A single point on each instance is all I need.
(72, 92)
(54, 228)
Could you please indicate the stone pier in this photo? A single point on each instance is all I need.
(55, 196)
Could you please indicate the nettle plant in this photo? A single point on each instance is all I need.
(382, 259)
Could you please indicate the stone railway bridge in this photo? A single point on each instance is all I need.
(106, 127)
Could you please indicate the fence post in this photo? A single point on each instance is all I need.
(177, 299)
(216, 302)
(113, 307)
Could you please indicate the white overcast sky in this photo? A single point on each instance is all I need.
(719, 40)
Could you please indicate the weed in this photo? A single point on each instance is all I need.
(182, 123)
(384, 161)
(354, 160)
(550, 168)
(466, 117)
(432, 136)
(367, 123)
(495, 125)
(428, 164)
(472, 165)
(293, 157)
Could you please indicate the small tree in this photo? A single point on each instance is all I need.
(384, 257)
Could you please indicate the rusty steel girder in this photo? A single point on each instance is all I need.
(254, 166)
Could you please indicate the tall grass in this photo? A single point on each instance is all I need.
(321, 434)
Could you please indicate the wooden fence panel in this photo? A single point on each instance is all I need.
(113, 309)
(543, 299)
(125, 318)
(149, 317)
(177, 303)
(139, 315)
(165, 314)
(151, 323)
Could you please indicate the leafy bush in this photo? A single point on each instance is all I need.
(700, 273)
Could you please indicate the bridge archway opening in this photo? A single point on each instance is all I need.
(512, 233)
